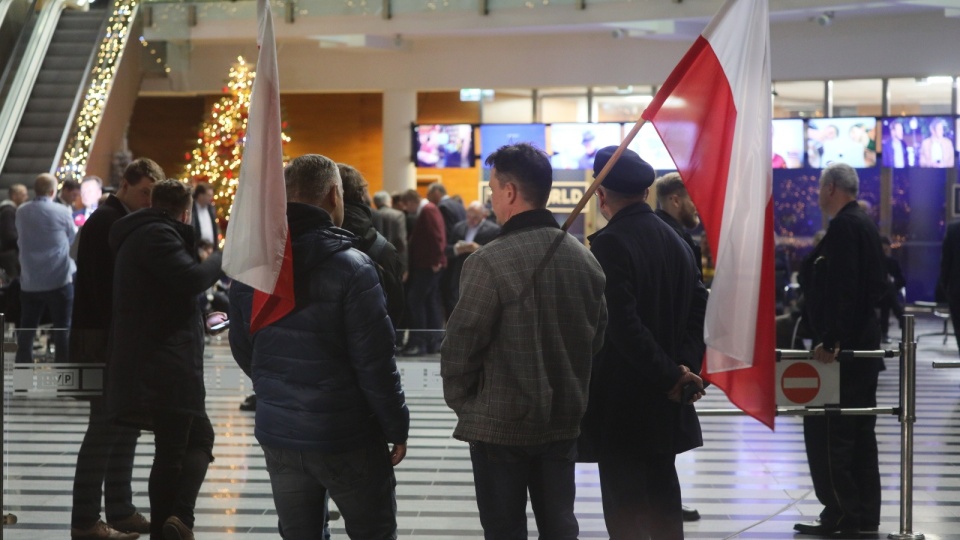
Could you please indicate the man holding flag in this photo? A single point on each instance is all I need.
(653, 347)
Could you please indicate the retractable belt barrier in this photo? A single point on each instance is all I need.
(946, 364)
(905, 412)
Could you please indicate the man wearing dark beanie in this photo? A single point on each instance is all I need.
(654, 346)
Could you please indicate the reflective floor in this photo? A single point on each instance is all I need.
(747, 482)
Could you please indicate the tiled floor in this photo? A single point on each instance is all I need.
(747, 482)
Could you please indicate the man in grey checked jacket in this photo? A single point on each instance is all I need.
(518, 352)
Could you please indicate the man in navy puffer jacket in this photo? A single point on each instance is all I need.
(329, 400)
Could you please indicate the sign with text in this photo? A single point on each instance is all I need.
(807, 383)
(61, 379)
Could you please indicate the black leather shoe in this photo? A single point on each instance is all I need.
(249, 404)
(690, 514)
(820, 528)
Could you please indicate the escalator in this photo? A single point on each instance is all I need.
(51, 108)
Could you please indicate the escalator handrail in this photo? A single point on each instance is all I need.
(26, 76)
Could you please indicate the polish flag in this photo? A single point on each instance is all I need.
(714, 116)
(257, 250)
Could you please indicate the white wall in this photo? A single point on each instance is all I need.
(904, 45)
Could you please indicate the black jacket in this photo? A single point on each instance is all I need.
(356, 219)
(685, 234)
(843, 280)
(950, 264)
(656, 306)
(325, 375)
(485, 234)
(210, 214)
(452, 211)
(156, 352)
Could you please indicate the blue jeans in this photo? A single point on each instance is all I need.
(104, 469)
(32, 304)
(503, 474)
(360, 481)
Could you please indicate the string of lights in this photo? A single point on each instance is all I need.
(216, 158)
(75, 155)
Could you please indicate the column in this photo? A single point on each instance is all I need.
(399, 112)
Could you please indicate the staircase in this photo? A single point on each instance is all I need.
(50, 109)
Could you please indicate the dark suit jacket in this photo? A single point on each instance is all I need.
(843, 280)
(950, 264)
(656, 305)
(485, 234)
(210, 214)
(9, 249)
(393, 226)
(453, 212)
(687, 237)
(93, 285)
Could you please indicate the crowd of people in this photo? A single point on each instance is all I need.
(553, 352)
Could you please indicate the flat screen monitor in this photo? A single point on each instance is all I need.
(787, 143)
(493, 136)
(918, 141)
(573, 146)
(443, 146)
(648, 144)
(842, 140)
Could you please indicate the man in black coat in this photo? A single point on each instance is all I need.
(329, 399)
(950, 275)
(467, 237)
(635, 422)
(451, 209)
(107, 451)
(843, 280)
(357, 219)
(204, 215)
(678, 211)
(155, 377)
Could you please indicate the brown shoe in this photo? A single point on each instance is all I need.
(101, 531)
(174, 529)
(133, 523)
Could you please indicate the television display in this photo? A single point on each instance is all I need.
(493, 136)
(573, 146)
(842, 140)
(918, 141)
(648, 144)
(787, 143)
(444, 146)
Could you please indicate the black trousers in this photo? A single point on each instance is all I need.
(842, 454)
(502, 476)
(183, 451)
(955, 320)
(641, 495)
(104, 469)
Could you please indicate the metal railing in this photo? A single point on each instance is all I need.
(905, 412)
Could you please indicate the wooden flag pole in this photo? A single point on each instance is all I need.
(603, 174)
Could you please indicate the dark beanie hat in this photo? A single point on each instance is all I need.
(630, 174)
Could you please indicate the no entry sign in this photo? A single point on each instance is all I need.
(807, 383)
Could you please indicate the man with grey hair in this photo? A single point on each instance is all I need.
(331, 414)
(9, 249)
(393, 225)
(843, 280)
(45, 232)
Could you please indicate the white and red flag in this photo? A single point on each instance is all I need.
(714, 116)
(257, 250)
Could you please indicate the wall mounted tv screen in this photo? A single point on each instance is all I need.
(493, 136)
(918, 141)
(648, 144)
(787, 144)
(843, 140)
(573, 146)
(443, 146)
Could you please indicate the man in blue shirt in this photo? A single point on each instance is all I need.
(46, 270)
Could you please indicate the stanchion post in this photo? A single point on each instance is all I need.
(908, 415)
(8, 519)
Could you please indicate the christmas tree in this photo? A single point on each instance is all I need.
(216, 159)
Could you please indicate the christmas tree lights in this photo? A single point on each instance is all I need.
(217, 156)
